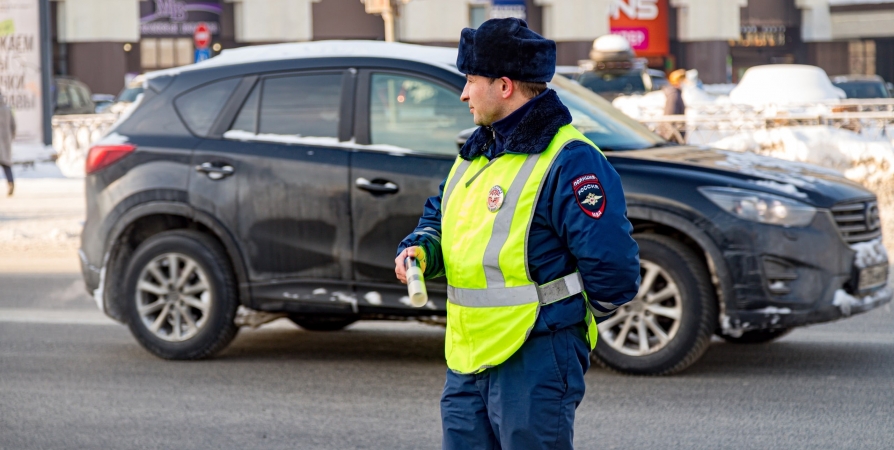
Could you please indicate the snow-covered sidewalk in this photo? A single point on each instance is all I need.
(40, 225)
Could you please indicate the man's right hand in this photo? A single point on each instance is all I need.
(400, 270)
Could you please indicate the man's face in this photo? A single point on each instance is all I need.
(485, 99)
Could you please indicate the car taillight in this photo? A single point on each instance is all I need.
(102, 156)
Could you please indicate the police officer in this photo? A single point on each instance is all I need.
(530, 229)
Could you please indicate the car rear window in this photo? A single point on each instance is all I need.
(199, 107)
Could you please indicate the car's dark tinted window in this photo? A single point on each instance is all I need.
(303, 105)
(248, 115)
(78, 97)
(863, 89)
(64, 98)
(606, 82)
(416, 114)
(200, 107)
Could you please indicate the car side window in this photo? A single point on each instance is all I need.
(63, 99)
(299, 105)
(199, 107)
(416, 114)
(247, 119)
(77, 97)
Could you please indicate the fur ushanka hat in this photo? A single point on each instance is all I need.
(506, 48)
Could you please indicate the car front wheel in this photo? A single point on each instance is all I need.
(668, 325)
(180, 296)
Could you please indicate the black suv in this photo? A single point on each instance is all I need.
(279, 179)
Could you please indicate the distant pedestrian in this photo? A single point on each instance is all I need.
(7, 134)
(673, 106)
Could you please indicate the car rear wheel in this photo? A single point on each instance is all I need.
(756, 336)
(180, 296)
(669, 324)
(322, 323)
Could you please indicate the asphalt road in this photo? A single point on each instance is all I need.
(71, 379)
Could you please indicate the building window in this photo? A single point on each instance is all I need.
(861, 57)
(478, 13)
(161, 53)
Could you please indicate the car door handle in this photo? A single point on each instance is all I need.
(376, 187)
(215, 172)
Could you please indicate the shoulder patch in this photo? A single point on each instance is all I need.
(589, 195)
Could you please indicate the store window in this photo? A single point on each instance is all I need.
(861, 57)
(162, 53)
(478, 13)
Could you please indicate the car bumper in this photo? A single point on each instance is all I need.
(841, 305)
(789, 277)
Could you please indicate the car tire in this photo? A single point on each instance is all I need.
(322, 323)
(756, 336)
(187, 314)
(676, 298)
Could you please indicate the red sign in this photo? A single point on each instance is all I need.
(644, 23)
(202, 35)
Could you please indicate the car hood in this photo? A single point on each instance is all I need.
(809, 183)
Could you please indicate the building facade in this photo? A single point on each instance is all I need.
(102, 42)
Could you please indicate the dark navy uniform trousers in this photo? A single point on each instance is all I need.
(528, 402)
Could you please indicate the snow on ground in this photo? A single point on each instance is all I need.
(40, 225)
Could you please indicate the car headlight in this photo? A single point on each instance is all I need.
(760, 206)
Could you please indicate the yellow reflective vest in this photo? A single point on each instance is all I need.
(486, 214)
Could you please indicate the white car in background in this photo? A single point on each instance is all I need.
(785, 84)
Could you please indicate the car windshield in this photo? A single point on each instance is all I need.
(863, 89)
(130, 93)
(602, 123)
(626, 83)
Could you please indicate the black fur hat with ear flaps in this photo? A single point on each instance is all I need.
(506, 48)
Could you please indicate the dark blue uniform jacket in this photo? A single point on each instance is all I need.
(565, 234)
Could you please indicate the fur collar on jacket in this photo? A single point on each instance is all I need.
(532, 135)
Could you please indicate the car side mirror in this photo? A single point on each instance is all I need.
(464, 136)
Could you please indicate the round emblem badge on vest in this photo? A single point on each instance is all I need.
(495, 198)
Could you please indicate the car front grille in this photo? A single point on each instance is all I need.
(857, 221)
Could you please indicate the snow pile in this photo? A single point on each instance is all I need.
(651, 104)
(870, 253)
(846, 302)
(718, 89)
(639, 106)
(45, 215)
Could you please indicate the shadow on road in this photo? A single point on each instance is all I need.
(417, 344)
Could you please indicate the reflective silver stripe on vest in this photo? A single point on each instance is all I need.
(460, 171)
(502, 223)
(512, 296)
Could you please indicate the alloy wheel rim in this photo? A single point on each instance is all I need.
(650, 321)
(173, 297)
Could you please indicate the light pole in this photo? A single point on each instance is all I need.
(388, 10)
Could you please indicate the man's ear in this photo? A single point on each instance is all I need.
(507, 87)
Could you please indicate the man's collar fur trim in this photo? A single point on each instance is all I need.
(532, 135)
